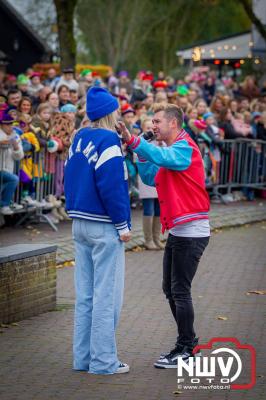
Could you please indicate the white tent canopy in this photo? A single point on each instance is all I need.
(230, 48)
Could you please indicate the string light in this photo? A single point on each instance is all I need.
(257, 61)
(226, 47)
(251, 44)
(242, 61)
(233, 47)
(226, 62)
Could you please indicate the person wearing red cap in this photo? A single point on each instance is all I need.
(160, 85)
(128, 114)
(177, 172)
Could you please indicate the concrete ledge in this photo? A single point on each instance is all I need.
(20, 251)
(27, 281)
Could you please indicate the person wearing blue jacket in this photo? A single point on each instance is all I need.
(96, 191)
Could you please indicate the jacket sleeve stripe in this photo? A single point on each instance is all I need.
(107, 154)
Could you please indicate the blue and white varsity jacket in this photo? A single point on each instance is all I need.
(96, 186)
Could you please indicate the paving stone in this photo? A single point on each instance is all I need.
(36, 355)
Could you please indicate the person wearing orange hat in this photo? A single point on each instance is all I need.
(128, 115)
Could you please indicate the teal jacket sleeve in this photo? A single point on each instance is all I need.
(147, 172)
(176, 157)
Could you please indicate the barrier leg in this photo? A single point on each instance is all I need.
(45, 218)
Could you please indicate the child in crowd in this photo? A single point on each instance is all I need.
(10, 151)
(53, 101)
(47, 156)
(151, 208)
(128, 117)
(28, 165)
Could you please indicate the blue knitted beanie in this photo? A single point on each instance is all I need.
(100, 103)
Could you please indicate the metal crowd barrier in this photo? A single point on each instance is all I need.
(38, 179)
(235, 164)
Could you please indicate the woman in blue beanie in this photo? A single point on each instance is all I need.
(97, 199)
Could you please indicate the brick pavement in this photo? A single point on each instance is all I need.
(234, 214)
(35, 355)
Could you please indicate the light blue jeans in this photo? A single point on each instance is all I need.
(8, 185)
(99, 286)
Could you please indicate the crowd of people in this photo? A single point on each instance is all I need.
(39, 115)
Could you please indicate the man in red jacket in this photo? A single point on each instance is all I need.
(177, 172)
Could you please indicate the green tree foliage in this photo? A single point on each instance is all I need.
(136, 34)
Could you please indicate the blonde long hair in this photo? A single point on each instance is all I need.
(108, 122)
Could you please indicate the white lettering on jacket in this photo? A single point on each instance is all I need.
(88, 152)
(93, 158)
(78, 148)
(88, 149)
(70, 152)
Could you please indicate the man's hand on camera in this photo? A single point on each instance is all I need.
(126, 237)
(124, 131)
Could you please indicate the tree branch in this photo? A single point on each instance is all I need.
(253, 18)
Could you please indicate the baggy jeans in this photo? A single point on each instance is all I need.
(99, 287)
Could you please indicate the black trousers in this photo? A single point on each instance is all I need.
(180, 262)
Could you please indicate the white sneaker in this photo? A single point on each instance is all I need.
(122, 369)
(28, 200)
(6, 210)
(43, 204)
(17, 206)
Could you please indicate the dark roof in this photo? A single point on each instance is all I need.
(202, 43)
(24, 26)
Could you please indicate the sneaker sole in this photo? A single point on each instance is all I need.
(169, 366)
(122, 370)
(162, 356)
(160, 366)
